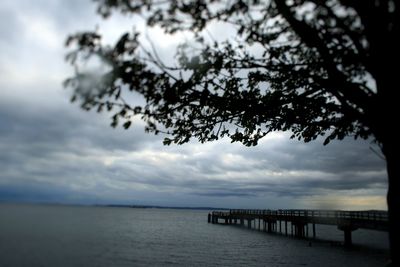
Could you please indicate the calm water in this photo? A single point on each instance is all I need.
(34, 235)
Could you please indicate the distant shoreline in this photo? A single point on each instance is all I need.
(159, 207)
(112, 205)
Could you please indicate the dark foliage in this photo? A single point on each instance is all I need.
(310, 76)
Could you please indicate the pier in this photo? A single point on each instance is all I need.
(297, 222)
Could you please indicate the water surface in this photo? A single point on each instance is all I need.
(51, 235)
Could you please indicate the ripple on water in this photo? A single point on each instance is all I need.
(34, 235)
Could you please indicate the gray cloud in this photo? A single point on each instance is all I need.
(53, 151)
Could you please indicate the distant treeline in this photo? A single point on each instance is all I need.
(160, 207)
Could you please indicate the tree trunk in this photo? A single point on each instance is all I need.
(390, 149)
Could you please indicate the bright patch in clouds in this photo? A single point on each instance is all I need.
(332, 200)
(41, 32)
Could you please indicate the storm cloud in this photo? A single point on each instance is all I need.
(51, 151)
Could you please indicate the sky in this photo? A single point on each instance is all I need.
(51, 151)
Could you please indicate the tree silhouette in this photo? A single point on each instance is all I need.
(315, 68)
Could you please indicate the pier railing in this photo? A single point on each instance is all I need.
(339, 214)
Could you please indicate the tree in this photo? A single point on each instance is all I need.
(315, 68)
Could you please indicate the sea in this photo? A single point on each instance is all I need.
(61, 235)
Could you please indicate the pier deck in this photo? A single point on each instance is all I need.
(299, 220)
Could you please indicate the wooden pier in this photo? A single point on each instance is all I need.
(297, 222)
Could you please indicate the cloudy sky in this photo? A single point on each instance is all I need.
(52, 151)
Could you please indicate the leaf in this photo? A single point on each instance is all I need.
(327, 140)
(120, 46)
(109, 106)
(114, 122)
(167, 141)
(73, 98)
(127, 125)
(100, 108)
